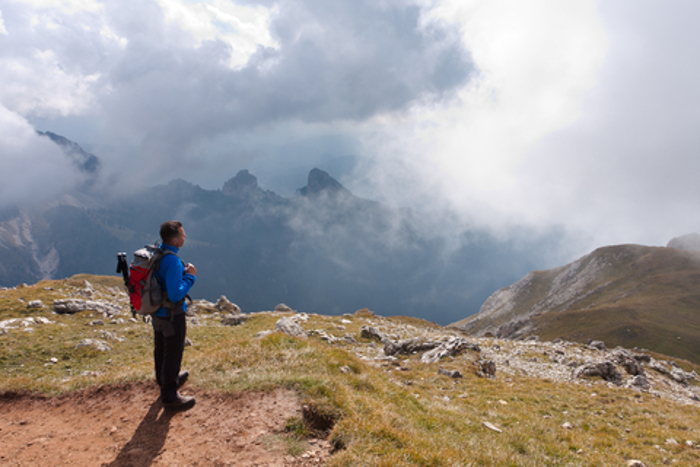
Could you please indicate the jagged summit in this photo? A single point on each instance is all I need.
(243, 185)
(321, 182)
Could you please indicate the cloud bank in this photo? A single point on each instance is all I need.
(572, 115)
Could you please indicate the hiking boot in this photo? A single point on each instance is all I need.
(182, 378)
(180, 403)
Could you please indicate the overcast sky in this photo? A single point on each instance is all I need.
(580, 115)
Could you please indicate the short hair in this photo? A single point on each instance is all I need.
(170, 230)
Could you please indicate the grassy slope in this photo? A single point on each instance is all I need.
(649, 298)
(652, 301)
(384, 416)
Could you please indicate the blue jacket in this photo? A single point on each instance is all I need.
(174, 279)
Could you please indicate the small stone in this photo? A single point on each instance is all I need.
(635, 463)
(451, 373)
(492, 427)
(567, 426)
(671, 442)
(234, 319)
(95, 343)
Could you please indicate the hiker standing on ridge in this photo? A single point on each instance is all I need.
(169, 323)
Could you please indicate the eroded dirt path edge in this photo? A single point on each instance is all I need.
(124, 425)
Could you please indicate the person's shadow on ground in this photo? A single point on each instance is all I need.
(147, 441)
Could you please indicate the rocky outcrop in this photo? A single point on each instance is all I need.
(76, 305)
(450, 348)
(605, 370)
(409, 346)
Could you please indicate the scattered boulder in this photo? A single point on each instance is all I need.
(88, 290)
(225, 306)
(642, 357)
(234, 319)
(68, 306)
(198, 306)
(626, 360)
(679, 376)
(35, 304)
(454, 346)
(97, 344)
(110, 336)
(76, 305)
(283, 308)
(408, 346)
(640, 382)
(605, 370)
(660, 367)
(485, 368)
(290, 326)
(451, 373)
(369, 332)
(598, 345)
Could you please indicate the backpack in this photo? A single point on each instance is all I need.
(145, 291)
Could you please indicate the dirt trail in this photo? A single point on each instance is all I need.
(125, 425)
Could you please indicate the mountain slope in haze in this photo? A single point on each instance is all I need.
(628, 295)
(322, 250)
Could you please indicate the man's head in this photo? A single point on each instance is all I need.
(172, 233)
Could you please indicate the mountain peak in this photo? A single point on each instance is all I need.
(85, 161)
(244, 184)
(319, 182)
(689, 242)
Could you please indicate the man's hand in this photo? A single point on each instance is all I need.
(190, 269)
